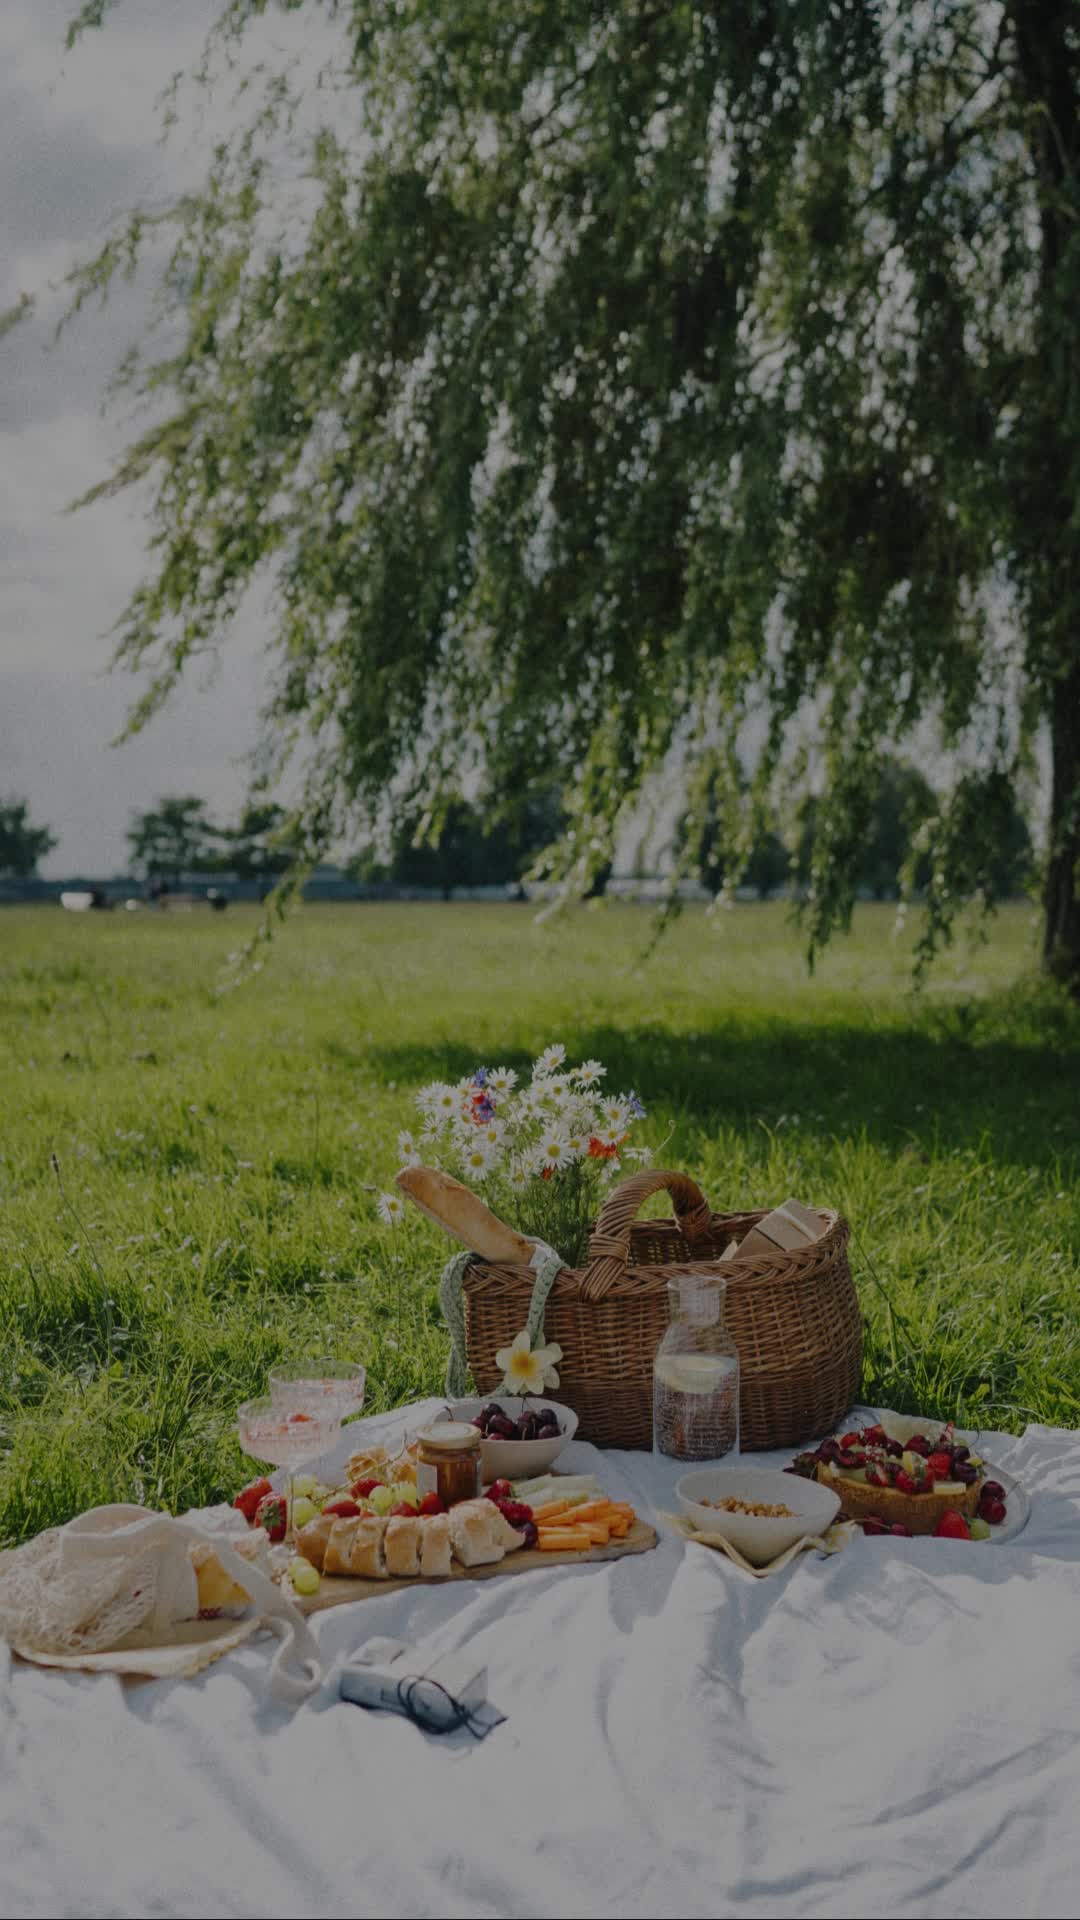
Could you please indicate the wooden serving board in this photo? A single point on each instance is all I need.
(337, 1590)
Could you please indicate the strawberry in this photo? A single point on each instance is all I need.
(499, 1490)
(363, 1487)
(270, 1513)
(940, 1464)
(850, 1439)
(342, 1508)
(953, 1526)
(407, 1512)
(295, 1419)
(876, 1477)
(248, 1498)
(431, 1503)
(904, 1482)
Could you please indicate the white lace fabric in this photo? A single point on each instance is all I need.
(120, 1577)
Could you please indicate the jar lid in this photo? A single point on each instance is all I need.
(451, 1436)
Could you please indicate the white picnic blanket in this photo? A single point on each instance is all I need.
(894, 1730)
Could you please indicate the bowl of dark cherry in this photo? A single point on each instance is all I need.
(521, 1438)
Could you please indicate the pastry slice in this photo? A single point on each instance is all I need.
(339, 1546)
(472, 1536)
(217, 1589)
(367, 1561)
(402, 1545)
(435, 1559)
(312, 1540)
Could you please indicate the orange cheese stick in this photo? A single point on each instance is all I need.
(563, 1533)
(593, 1510)
(558, 1509)
(566, 1540)
(599, 1533)
(620, 1528)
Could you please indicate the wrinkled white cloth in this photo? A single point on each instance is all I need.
(894, 1730)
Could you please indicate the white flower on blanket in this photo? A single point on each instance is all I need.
(526, 1370)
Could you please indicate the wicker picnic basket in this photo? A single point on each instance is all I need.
(795, 1317)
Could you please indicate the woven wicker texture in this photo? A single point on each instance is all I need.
(795, 1317)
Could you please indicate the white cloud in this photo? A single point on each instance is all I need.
(78, 144)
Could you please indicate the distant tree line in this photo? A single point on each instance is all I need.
(896, 812)
(177, 837)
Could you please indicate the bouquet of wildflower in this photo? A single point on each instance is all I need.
(542, 1153)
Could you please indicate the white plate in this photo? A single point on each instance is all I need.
(813, 1507)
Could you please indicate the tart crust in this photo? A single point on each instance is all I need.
(918, 1511)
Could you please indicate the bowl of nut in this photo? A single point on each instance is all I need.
(760, 1510)
(521, 1438)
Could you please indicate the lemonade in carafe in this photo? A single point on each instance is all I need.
(696, 1376)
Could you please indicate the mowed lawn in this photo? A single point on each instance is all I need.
(221, 1153)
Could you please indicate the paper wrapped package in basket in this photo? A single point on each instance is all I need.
(124, 1580)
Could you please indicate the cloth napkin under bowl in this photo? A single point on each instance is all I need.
(833, 1540)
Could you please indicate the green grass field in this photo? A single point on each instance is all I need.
(221, 1152)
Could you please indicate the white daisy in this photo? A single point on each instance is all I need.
(614, 1112)
(611, 1136)
(406, 1143)
(501, 1080)
(554, 1150)
(577, 1145)
(589, 1072)
(551, 1058)
(560, 1096)
(492, 1131)
(520, 1175)
(641, 1154)
(391, 1208)
(412, 1158)
(478, 1160)
(440, 1101)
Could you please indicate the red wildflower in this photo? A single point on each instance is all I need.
(598, 1151)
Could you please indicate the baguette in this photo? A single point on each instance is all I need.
(462, 1214)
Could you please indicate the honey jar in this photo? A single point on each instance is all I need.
(448, 1462)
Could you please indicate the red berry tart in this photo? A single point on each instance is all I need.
(905, 1481)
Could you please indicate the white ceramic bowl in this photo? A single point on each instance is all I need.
(813, 1507)
(515, 1459)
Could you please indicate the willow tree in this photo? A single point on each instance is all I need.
(641, 385)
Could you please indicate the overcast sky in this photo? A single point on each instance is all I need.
(79, 143)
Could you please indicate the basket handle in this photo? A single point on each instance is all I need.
(609, 1243)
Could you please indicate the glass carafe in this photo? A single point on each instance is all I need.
(696, 1376)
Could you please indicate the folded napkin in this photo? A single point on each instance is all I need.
(833, 1540)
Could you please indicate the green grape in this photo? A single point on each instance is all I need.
(403, 1490)
(980, 1528)
(304, 1576)
(305, 1484)
(303, 1511)
(382, 1499)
